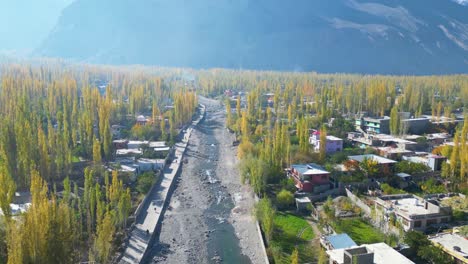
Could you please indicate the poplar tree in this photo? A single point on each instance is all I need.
(97, 156)
(323, 143)
(394, 121)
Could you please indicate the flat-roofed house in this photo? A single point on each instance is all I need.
(333, 144)
(455, 245)
(379, 253)
(385, 165)
(413, 212)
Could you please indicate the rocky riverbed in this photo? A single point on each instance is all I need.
(209, 218)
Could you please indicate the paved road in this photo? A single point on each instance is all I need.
(148, 218)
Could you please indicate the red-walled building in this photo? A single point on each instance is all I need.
(309, 177)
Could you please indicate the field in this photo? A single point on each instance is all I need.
(291, 231)
(360, 231)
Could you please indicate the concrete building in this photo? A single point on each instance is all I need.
(404, 180)
(416, 126)
(120, 144)
(385, 165)
(333, 144)
(434, 162)
(303, 203)
(141, 120)
(378, 125)
(379, 253)
(145, 165)
(414, 213)
(437, 138)
(128, 152)
(310, 178)
(456, 246)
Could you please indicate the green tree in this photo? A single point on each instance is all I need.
(285, 198)
(228, 113)
(323, 143)
(370, 167)
(295, 256)
(265, 214)
(104, 238)
(394, 121)
(97, 156)
(7, 192)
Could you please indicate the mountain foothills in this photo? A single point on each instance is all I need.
(373, 36)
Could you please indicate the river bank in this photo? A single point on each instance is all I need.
(209, 218)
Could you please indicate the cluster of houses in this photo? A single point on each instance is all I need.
(130, 158)
(314, 182)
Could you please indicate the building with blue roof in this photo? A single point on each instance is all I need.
(338, 241)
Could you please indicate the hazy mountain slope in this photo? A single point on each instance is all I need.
(25, 23)
(375, 36)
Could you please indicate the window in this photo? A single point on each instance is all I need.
(405, 222)
(417, 224)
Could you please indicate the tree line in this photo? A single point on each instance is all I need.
(54, 114)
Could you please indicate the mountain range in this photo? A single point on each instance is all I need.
(356, 36)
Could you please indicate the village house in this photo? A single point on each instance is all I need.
(120, 144)
(434, 162)
(333, 144)
(454, 245)
(310, 178)
(141, 120)
(414, 213)
(128, 152)
(416, 126)
(404, 180)
(385, 165)
(378, 125)
(437, 139)
(379, 253)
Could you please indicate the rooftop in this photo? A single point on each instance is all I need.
(128, 152)
(403, 175)
(333, 138)
(376, 119)
(378, 159)
(409, 205)
(450, 241)
(303, 199)
(438, 136)
(383, 254)
(310, 168)
(341, 241)
(157, 144)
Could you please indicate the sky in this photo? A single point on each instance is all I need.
(25, 23)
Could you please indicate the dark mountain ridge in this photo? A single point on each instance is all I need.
(374, 36)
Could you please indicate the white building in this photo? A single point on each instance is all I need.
(379, 253)
(414, 213)
(333, 144)
(453, 244)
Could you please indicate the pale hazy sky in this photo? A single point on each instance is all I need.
(25, 23)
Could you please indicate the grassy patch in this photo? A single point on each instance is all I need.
(75, 159)
(360, 231)
(291, 231)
